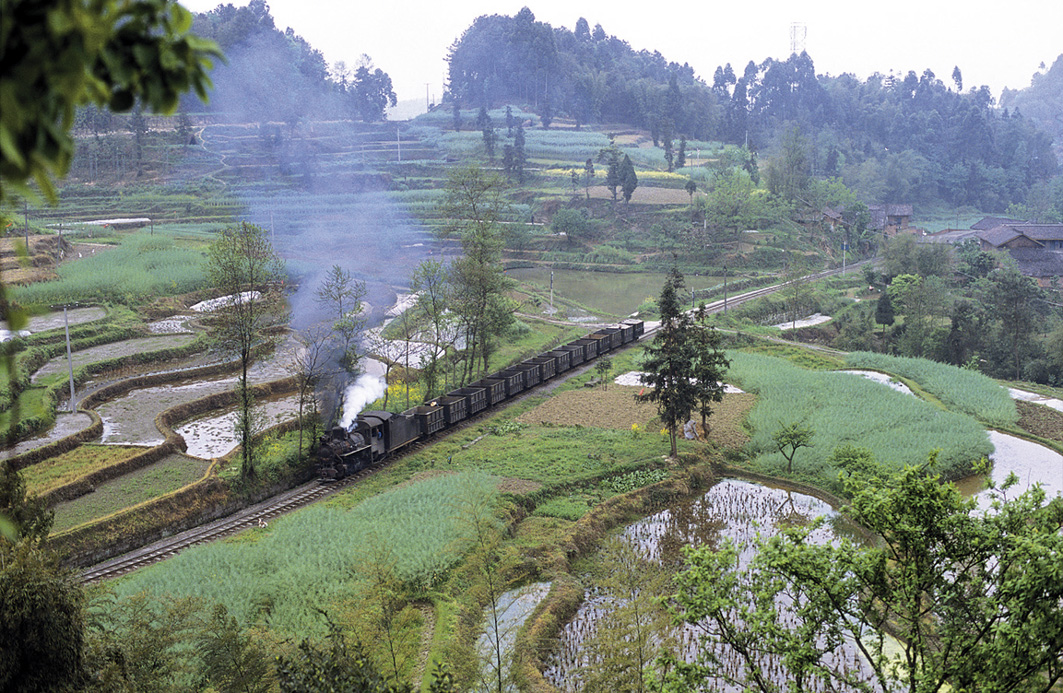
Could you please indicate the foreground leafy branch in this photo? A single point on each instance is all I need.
(950, 597)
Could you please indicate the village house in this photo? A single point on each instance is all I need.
(1036, 248)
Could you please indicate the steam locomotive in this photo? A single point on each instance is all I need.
(374, 435)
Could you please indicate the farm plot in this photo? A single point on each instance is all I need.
(213, 436)
(65, 424)
(50, 474)
(165, 476)
(111, 351)
(130, 419)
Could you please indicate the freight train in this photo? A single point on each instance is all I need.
(374, 435)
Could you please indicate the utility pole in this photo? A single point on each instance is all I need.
(69, 360)
(725, 288)
(551, 292)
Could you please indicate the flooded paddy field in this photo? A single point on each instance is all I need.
(1030, 462)
(215, 435)
(165, 476)
(65, 424)
(732, 509)
(74, 316)
(113, 350)
(130, 419)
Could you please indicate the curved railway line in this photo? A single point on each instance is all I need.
(259, 514)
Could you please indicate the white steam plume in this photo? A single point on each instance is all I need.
(361, 392)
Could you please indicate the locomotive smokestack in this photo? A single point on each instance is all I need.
(361, 392)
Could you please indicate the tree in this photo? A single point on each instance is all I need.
(519, 157)
(386, 617)
(334, 665)
(233, 661)
(61, 54)
(710, 364)
(691, 187)
(1014, 301)
(430, 283)
(490, 564)
(612, 175)
(633, 626)
(341, 295)
(884, 311)
(670, 359)
(588, 177)
(797, 287)
(791, 438)
(973, 598)
(310, 366)
(475, 207)
(245, 270)
(628, 180)
(602, 367)
(42, 620)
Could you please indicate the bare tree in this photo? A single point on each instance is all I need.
(245, 269)
(310, 365)
(342, 296)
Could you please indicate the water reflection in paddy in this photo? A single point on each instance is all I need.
(738, 510)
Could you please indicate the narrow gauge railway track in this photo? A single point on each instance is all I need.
(281, 504)
(313, 491)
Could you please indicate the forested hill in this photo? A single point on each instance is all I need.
(1042, 101)
(585, 75)
(276, 76)
(912, 138)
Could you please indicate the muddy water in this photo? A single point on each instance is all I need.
(732, 509)
(65, 424)
(130, 419)
(214, 435)
(112, 350)
(75, 316)
(1030, 462)
(515, 606)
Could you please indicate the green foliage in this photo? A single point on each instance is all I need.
(640, 478)
(284, 578)
(974, 598)
(73, 52)
(960, 388)
(142, 267)
(823, 402)
(233, 661)
(564, 508)
(41, 621)
(670, 361)
(333, 665)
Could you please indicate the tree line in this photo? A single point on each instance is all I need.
(911, 138)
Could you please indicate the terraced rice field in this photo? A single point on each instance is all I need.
(214, 435)
(106, 352)
(130, 419)
(165, 476)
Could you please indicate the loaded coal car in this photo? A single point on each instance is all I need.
(376, 434)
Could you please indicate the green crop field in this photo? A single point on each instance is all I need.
(52, 473)
(141, 267)
(847, 409)
(282, 576)
(961, 389)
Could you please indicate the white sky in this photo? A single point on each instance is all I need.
(999, 44)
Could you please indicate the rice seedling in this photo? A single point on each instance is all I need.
(960, 388)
